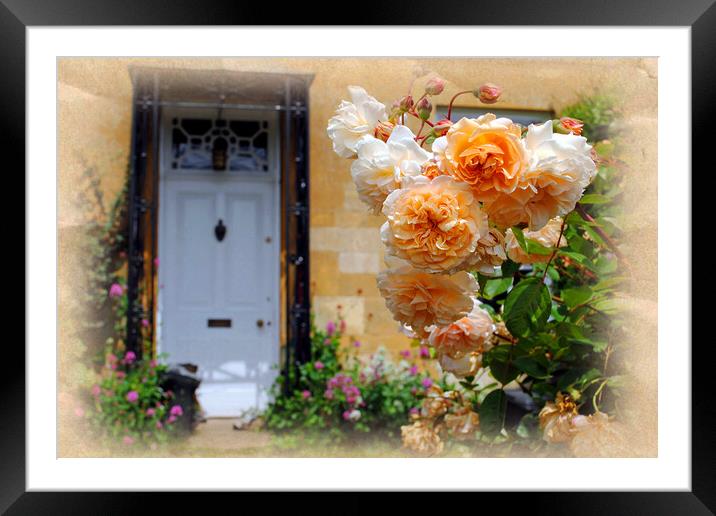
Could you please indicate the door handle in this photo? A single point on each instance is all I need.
(260, 323)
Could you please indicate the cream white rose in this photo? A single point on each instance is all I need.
(353, 120)
(381, 166)
(560, 168)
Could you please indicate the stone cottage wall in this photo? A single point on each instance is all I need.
(94, 125)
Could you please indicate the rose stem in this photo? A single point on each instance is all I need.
(556, 248)
(586, 216)
(453, 100)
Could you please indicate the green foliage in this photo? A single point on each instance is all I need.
(102, 310)
(130, 405)
(527, 307)
(597, 112)
(340, 393)
(561, 311)
(492, 412)
(102, 252)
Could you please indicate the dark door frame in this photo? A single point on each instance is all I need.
(286, 93)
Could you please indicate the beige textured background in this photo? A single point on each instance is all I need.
(94, 111)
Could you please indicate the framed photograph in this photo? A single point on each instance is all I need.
(314, 257)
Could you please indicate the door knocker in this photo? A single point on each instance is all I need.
(220, 230)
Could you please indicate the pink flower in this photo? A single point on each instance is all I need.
(318, 365)
(111, 358)
(116, 290)
(414, 370)
(356, 344)
(405, 353)
(352, 415)
(159, 424)
(79, 412)
(328, 394)
(156, 261)
(330, 328)
(414, 410)
(127, 440)
(153, 363)
(151, 412)
(132, 396)
(96, 390)
(326, 341)
(120, 375)
(176, 410)
(424, 352)
(130, 357)
(306, 394)
(427, 382)
(171, 419)
(145, 323)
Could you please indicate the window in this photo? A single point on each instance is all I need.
(524, 117)
(245, 143)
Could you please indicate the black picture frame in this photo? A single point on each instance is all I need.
(700, 15)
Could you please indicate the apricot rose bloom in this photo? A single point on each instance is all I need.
(433, 224)
(419, 299)
(463, 423)
(547, 236)
(466, 365)
(486, 153)
(490, 252)
(559, 420)
(421, 437)
(381, 166)
(470, 334)
(560, 168)
(353, 120)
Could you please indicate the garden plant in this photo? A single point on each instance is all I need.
(502, 257)
(342, 392)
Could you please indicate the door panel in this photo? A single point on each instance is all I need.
(194, 254)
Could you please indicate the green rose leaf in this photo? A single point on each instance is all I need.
(499, 360)
(492, 412)
(527, 307)
(495, 287)
(532, 366)
(528, 245)
(576, 296)
(594, 199)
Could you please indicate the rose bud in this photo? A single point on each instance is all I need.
(441, 127)
(424, 108)
(406, 103)
(488, 93)
(434, 86)
(395, 111)
(572, 124)
(382, 130)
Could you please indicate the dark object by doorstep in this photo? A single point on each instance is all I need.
(519, 403)
(180, 379)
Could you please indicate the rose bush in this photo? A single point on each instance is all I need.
(507, 205)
